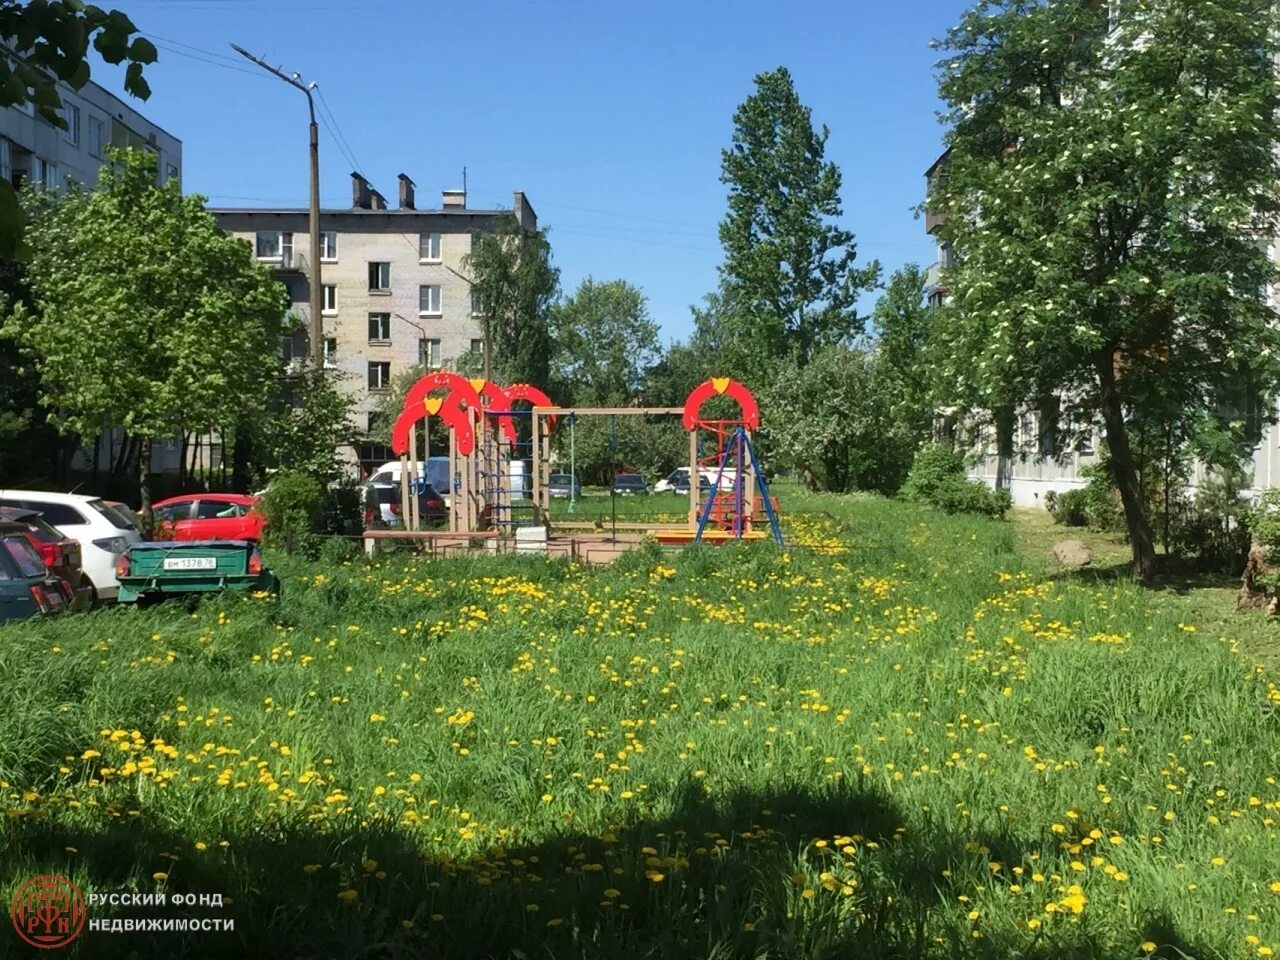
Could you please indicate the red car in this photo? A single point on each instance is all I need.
(208, 516)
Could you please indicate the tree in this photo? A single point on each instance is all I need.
(788, 269)
(515, 283)
(902, 322)
(1107, 193)
(840, 430)
(144, 313)
(306, 425)
(605, 341)
(47, 43)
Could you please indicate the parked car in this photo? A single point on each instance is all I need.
(208, 516)
(564, 485)
(435, 471)
(103, 534)
(681, 486)
(383, 506)
(26, 586)
(628, 484)
(60, 554)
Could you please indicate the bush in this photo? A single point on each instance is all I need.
(292, 505)
(1102, 508)
(938, 478)
(341, 511)
(335, 551)
(1069, 508)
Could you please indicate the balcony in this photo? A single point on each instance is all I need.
(288, 263)
(933, 220)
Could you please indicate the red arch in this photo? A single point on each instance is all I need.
(497, 400)
(531, 394)
(721, 385)
(451, 409)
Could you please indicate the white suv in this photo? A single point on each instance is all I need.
(103, 533)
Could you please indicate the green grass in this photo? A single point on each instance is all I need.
(895, 739)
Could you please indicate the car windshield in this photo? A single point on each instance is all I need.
(630, 480)
(563, 478)
(116, 518)
(22, 554)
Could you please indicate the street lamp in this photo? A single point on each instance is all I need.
(317, 319)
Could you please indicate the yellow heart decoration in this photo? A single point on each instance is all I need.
(478, 385)
(720, 383)
(433, 404)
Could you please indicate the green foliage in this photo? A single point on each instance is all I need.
(653, 446)
(47, 43)
(834, 422)
(1104, 211)
(1068, 508)
(292, 505)
(515, 284)
(937, 477)
(789, 283)
(605, 341)
(143, 312)
(307, 423)
(1264, 520)
(1212, 531)
(341, 512)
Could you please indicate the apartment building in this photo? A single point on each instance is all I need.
(395, 292)
(34, 150)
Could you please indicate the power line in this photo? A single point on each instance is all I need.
(337, 132)
(191, 56)
(178, 43)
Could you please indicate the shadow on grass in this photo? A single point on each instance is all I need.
(716, 878)
(1170, 576)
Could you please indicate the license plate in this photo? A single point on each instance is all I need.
(191, 563)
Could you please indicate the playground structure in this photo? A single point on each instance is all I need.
(492, 496)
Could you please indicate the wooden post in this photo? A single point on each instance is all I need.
(404, 480)
(535, 460)
(411, 515)
(694, 479)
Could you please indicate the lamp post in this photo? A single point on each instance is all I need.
(317, 319)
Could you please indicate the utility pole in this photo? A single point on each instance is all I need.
(317, 290)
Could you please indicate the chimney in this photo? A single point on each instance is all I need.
(406, 193)
(455, 198)
(359, 192)
(377, 201)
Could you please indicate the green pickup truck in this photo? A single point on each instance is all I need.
(155, 569)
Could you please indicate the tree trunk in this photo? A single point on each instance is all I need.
(1125, 474)
(240, 454)
(184, 442)
(144, 485)
(1004, 448)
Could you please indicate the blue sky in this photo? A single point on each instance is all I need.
(610, 116)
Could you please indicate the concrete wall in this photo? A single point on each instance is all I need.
(80, 154)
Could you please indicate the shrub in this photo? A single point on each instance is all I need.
(341, 510)
(1069, 508)
(938, 478)
(292, 505)
(335, 551)
(1101, 502)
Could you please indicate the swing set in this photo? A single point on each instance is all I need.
(491, 441)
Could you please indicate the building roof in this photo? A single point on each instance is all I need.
(939, 162)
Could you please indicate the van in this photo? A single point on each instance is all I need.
(435, 471)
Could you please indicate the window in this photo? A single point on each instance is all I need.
(477, 346)
(429, 353)
(71, 113)
(286, 349)
(44, 173)
(429, 299)
(379, 277)
(1027, 431)
(172, 513)
(379, 326)
(286, 249)
(268, 244)
(24, 556)
(170, 172)
(330, 352)
(379, 375)
(216, 509)
(6, 160)
(477, 305)
(329, 245)
(937, 298)
(95, 137)
(429, 247)
(329, 301)
(374, 423)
